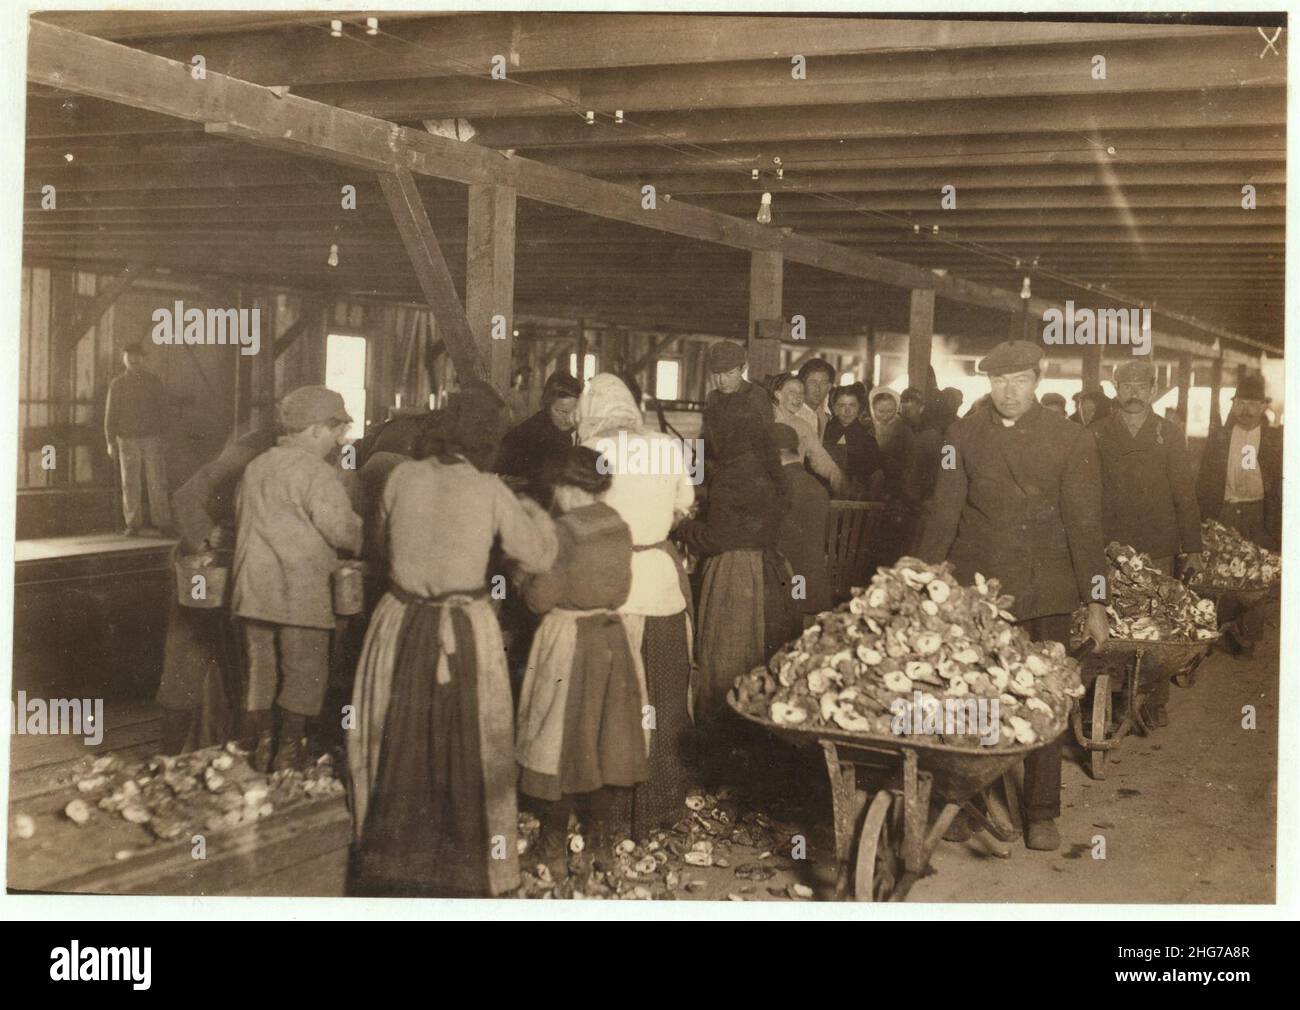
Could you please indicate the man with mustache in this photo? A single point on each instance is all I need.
(1019, 499)
(1240, 483)
(1148, 499)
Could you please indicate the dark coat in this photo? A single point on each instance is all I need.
(1021, 504)
(745, 489)
(1213, 475)
(803, 538)
(528, 448)
(860, 456)
(1148, 499)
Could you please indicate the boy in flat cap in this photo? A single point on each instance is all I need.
(1148, 498)
(1021, 503)
(294, 515)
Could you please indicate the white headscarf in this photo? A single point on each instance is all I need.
(606, 407)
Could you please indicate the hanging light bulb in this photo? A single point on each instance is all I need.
(336, 29)
(1025, 293)
(618, 115)
(334, 255)
(753, 174)
(591, 118)
(372, 26)
(765, 209)
(780, 173)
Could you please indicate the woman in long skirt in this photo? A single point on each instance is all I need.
(652, 491)
(581, 737)
(745, 609)
(432, 755)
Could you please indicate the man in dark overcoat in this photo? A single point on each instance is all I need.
(1019, 500)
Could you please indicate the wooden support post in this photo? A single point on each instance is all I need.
(871, 352)
(920, 335)
(1092, 366)
(766, 276)
(1216, 389)
(580, 355)
(490, 276)
(432, 273)
(1184, 380)
(1019, 327)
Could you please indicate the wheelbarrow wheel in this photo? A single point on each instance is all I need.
(1100, 725)
(875, 874)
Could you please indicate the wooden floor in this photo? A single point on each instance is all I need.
(299, 852)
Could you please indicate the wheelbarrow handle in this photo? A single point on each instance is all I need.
(1083, 648)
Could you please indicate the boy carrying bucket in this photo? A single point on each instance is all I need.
(294, 515)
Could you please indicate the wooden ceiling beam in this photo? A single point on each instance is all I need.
(1240, 143)
(548, 42)
(1180, 110)
(85, 65)
(1134, 65)
(965, 179)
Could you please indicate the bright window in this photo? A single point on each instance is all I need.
(345, 373)
(588, 366)
(668, 380)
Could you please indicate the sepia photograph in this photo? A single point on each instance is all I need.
(780, 457)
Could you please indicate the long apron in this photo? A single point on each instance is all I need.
(432, 758)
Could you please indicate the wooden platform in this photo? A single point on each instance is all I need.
(301, 851)
(90, 615)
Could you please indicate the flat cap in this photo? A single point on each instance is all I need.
(724, 355)
(1136, 370)
(1053, 399)
(1011, 356)
(1250, 388)
(308, 405)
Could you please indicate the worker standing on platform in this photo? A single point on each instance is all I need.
(1019, 500)
(134, 419)
(1148, 498)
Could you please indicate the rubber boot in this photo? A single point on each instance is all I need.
(290, 747)
(251, 727)
(260, 759)
(553, 843)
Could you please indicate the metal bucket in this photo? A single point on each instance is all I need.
(201, 581)
(349, 584)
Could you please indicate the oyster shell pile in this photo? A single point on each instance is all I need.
(1148, 606)
(212, 789)
(914, 636)
(1233, 561)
